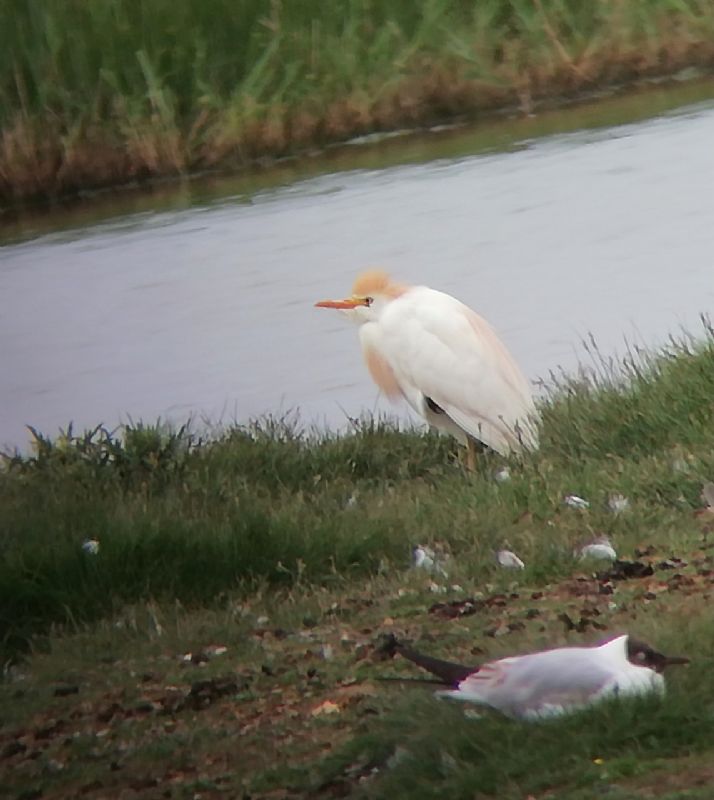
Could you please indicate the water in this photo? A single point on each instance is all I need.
(200, 302)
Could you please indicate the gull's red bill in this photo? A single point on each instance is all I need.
(671, 660)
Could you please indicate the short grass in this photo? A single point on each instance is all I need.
(113, 91)
(293, 551)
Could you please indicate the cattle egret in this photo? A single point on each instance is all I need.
(552, 682)
(444, 359)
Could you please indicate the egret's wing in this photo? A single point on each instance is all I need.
(436, 345)
(509, 388)
(540, 684)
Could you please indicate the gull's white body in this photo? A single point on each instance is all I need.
(424, 343)
(558, 681)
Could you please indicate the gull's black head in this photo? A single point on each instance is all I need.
(641, 654)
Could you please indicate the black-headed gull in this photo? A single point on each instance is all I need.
(551, 682)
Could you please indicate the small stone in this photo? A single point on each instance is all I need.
(425, 558)
(509, 560)
(325, 709)
(600, 548)
(574, 501)
(617, 503)
(214, 650)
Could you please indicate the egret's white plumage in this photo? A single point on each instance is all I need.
(444, 359)
(553, 682)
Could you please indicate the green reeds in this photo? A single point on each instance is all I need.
(105, 92)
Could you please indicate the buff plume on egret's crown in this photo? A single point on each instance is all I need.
(444, 359)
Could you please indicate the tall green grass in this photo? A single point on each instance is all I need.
(95, 93)
(178, 517)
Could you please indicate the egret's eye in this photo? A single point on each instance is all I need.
(641, 656)
(368, 301)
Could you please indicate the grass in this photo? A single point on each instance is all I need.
(180, 517)
(292, 550)
(103, 93)
(177, 518)
(499, 759)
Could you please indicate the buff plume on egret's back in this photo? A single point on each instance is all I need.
(444, 359)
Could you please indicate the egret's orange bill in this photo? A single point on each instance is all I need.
(350, 302)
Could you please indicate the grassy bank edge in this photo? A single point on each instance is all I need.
(270, 505)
